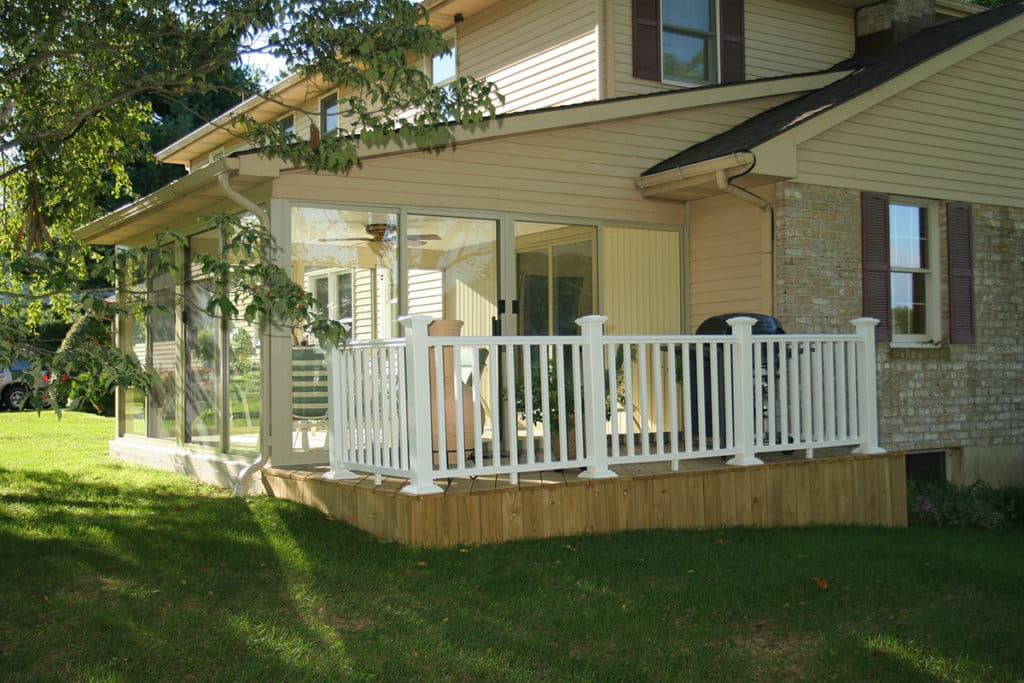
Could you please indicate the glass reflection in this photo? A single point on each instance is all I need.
(202, 347)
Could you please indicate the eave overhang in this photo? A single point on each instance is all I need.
(195, 194)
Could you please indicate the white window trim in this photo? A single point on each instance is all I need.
(452, 38)
(287, 119)
(323, 113)
(933, 282)
(717, 33)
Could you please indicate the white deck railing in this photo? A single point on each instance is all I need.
(428, 408)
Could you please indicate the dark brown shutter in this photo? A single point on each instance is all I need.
(960, 228)
(647, 39)
(874, 224)
(730, 27)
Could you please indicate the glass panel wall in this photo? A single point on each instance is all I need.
(453, 270)
(134, 399)
(243, 410)
(163, 412)
(203, 351)
(349, 261)
(554, 276)
(244, 383)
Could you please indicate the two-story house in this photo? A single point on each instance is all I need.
(656, 162)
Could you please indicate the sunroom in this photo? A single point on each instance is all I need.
(563, 353)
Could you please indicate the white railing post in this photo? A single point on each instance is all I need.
(337, 444)
(596, 452)
(743, 391)
(867, 387)
(417, 393)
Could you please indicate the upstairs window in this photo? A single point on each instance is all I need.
(444, 66)
(329, 110)
(691, 42)
(287, 125)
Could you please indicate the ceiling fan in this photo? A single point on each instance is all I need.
(383, 237)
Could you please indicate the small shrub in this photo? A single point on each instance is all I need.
(978, 506)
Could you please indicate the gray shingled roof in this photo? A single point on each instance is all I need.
(869, 73)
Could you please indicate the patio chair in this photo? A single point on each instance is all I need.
(309, 391)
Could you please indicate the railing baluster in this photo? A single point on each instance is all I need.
(645, 401)
(702, 395)
(689, 365)
(611, 354)
(659, 400)
(673, 404)
(630, 403)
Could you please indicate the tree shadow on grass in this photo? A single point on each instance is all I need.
(145, 583)
(106, 577)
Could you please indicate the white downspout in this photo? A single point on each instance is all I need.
(242, 485)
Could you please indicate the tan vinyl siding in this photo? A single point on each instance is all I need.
(470, 296)
(782, 38)
(588, 171)
(729, 258)
(795, 37)
(958, 134)
(641, 281)
(425, 292)
(362, 304)
(540, 54)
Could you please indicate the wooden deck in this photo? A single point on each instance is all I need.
(786, 491)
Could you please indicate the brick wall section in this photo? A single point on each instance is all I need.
(947, 397)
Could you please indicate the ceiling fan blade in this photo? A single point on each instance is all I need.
(420, 237)
(346, 239)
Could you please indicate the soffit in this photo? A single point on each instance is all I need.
(175, 207)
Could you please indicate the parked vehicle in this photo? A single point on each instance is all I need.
(13, 389)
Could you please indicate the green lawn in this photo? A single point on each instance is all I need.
(111, 573)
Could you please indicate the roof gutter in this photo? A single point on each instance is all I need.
(692, 174)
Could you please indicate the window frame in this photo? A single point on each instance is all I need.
(932, 335)
(451, 36)
(715, 36)
(325, 115)
(287, 124)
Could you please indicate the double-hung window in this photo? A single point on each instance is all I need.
(287, 124)
(903, 269)
(913, 270)
(689, 44)
(329, 110)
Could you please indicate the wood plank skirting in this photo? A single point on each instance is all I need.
(850, 489)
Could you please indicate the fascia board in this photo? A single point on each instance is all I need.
(177, 189)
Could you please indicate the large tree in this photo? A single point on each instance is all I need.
(81, 81)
